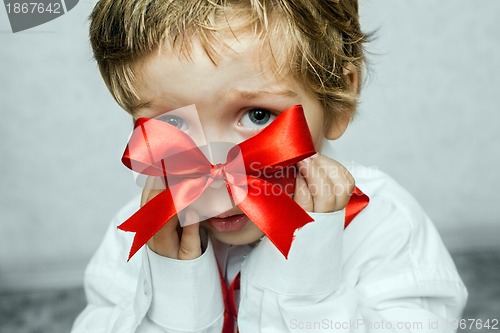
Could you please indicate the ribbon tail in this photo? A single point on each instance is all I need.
(273, 212)
(149, 219)
(356, 204)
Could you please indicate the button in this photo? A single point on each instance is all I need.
(146, 288)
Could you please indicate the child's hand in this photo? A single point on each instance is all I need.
(323, 185)
(171, 240)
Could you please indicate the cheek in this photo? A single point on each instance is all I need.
(318, 137)
(316, 127)
(315, 116)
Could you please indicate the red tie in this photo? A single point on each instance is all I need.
(230, 311)
(356, 204)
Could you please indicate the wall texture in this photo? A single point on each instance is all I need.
(429, 117)
(431, 110)
(61, 138)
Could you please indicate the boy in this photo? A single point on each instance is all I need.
(242, 63)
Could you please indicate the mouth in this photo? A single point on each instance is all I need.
(225, 223)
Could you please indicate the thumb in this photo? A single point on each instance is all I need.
(302, 194)
(190, 246)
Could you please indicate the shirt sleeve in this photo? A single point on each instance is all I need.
(387, 272)
(149, 293)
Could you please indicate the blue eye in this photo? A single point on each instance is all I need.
(173, 120)
(257, 118)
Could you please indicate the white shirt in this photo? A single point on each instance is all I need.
(388, 271)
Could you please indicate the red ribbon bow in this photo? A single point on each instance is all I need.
(258, 192)
(259, 196)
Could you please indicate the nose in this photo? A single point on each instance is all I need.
(219, 133)
(212, 202)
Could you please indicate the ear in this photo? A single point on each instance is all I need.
(338, 126)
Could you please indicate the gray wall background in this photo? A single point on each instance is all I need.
(429, 117)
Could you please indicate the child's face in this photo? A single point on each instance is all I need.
(235, 99)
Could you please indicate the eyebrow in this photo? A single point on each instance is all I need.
(141, 105)
(259, 93)
(236, 93)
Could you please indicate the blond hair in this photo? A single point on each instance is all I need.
(311, 41)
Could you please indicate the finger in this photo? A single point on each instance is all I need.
(318, 185)
(302, 195)
(165, 241)
(341, 179)
(330, 183)
(337, 173)
(145, 191)
(190, 245)
(153, 187)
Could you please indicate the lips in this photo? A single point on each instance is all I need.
(228, 223)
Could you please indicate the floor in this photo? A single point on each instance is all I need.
(54, 311)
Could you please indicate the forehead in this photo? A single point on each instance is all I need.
(240, 60)
(221, 48)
